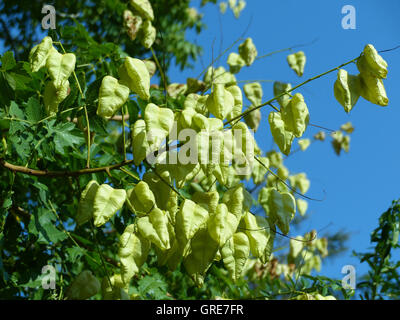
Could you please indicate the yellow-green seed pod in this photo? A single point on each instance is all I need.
(296, 62)
(148, 34)
(133, 73)
(144, 8)
(372, 63)
(38, 55)
(84, 286)
(373, 90)
(347, 89)
(235, 62)
(112, 96)
(248, 51)
(53, 96)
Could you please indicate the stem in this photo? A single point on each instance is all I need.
(160, 69)
(239, 117)
(84, 106)
(123, 130)
(34, 172)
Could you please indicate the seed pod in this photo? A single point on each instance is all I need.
(39, 54)
(222, 225)
(112, 96)
(220, 102)
(140, 145)
(148, 34)
(296, 62)
(253, 92)
(248, 51)
(346, 89)
(106, 203)
(85, 206)
(143, 7)
(372, 63)
(133, 252)
(134, 74)
(219, 76)
(238, 101)
(151, 67)
(280, 87)
(84, 286)
(295, 115)
(53, 96)
(282, 137)
(239, 8)
(222, 7)
(235, 254)
(140, 200)
(235, 62)
(154, 227)
(373, 90)
(132, 24)
(60, 66)
(304, 144)
(253, 119)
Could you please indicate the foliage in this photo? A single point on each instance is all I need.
(382, 280)
(95, 179)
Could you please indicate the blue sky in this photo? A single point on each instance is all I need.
(359, 185)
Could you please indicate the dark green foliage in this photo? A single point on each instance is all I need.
(383, 278)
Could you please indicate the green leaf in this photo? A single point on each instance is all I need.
(33, 110)
(7, 61)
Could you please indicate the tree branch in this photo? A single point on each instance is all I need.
(39, 173)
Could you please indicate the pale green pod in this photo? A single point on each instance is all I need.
(372, 63)
(106, 203)
(53, 96)
(222, 225)
(253, 119)
(373, 90)
(60, 66)
(296, 62)
(133, 252)
(189, 219)
(133, 73)
(220, 102)
(203, 250)
(140, 199)
(148, 34)
(132, 24)
(253, 92)
(219, 75)
(84, 286)
(304, 144)
(140, 146)
(235, 62)
(144, 8)
(347, 89)
(295, 115)
(85, 205)
(282, 137)
(248, 51)
(302, 206)
(257, 230)
(154, 227)
(238, 101)
(300, 182)
(159, 122)
(235, 254)
(38, 55)
(279, 88)
(112, 96)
